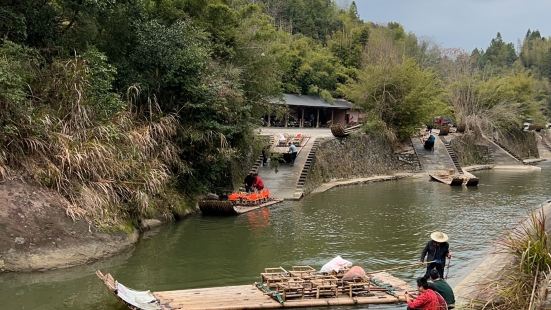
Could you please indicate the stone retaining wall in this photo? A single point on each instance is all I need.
(356, 156)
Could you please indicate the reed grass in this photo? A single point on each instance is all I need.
(530, 245)
(83, 141)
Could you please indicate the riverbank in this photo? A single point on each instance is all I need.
(37, 233)
(485, 284)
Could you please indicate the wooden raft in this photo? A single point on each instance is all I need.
(226, 208)
(452, 179)
(251, 297)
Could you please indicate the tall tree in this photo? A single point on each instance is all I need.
(499, 54)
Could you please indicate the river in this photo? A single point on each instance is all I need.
(378, 226)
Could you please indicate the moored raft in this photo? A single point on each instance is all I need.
(454, 179)
(237, 203)
(297, 289)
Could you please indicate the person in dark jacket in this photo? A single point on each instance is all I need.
(442, 287)
(429, 143)
(249, 182)
(435, 252)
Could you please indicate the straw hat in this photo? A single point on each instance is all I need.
(439, 236)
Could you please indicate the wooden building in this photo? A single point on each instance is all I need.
(311, 111)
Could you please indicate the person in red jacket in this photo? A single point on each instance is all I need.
(258, 184)
(427, 299)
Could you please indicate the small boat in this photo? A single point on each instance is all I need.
(237, 203)
(300, 287)
(452, 180)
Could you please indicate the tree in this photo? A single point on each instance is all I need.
(499, 54)
(353, 11)
(402, 96)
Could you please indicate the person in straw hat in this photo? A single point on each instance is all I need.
(435, 252)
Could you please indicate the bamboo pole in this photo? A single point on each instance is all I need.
(401, 267)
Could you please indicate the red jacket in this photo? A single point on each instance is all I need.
(258, 184)
(428, 300)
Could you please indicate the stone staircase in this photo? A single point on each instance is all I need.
(258, 162)
(507, 150)
(453, 156)
(308, 165)
(415, 159)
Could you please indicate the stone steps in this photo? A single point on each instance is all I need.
(308, 165)
(453, 156)
(415, 159)
(258, 162)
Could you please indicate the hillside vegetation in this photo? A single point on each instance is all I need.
(131, 108)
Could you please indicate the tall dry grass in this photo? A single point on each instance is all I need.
(112, 167)
(530, 244)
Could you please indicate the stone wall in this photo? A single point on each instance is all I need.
(471, 150)
(356, 156)
(521, 143)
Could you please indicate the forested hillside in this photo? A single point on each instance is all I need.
(129, 107)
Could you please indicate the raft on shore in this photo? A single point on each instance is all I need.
(297, 289)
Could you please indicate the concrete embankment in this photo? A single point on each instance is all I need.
(357, 181)
(483, 285)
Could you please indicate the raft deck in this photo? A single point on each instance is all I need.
(251, 297)
(451, 179)
(225, 208)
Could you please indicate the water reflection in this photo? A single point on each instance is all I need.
(379, 226)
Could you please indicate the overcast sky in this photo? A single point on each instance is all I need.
(462, 23)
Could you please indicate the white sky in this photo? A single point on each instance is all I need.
(461, 23)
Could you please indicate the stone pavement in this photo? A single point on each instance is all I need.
(439, 159)
(283, 183)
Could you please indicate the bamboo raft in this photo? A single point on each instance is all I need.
(301, 287)
(227, 208)
(466, 178)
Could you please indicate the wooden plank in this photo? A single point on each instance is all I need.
(243, 209)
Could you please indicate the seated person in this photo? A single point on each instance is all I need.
(427, 299)
(442, 287)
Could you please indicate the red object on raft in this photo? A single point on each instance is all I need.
(249, 198)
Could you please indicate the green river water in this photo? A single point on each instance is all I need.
(380, 225)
